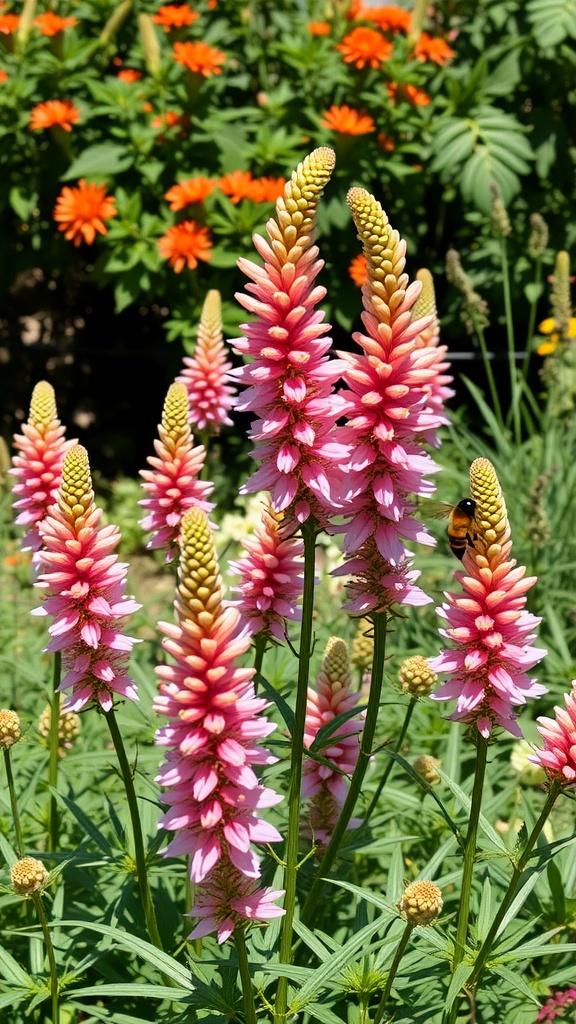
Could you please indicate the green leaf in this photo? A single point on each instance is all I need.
(457, 982)
(515, 981)
(485, 825)
(101, 160)
(533, 291)
(277, 699)
(151, 954)
(486, 911)
(23, 204)
(11, 970)
(333, 965)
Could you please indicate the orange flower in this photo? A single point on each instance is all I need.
(389, 19)
(193, 190)
(430, 48)
(410, 93)
(199, 57)
(347, 121)
(51, 24)
(171, 16)
(81, 211)
(354, 10)
(8, 24)
(3, 76)
(319, 28)
(237, 185)
(267, 190)
(386, 142)
(167, 120)
(129, 75)
(358, 270)
(185, 244)
(364, 46)
(54, 112)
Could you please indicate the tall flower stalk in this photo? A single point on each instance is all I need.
(172, 485)
(84, 584)
(211, 789)
(491, 634)
(205, 374)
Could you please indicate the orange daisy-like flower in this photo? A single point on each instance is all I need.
(54, 112)
(171, 16)
(129, 75)
(237, 185)
(410, 93)
(358, 270)
(193, 190)
(365, 46)
(81, 211)
(184, 244)
(354, 10)
(8, 24)
(51, 24)
(3, 76)
(347, 121)
(386, 142)
(319, 28)
(167, 120)
(199, 58)
(435, 49)
(267, 190)
(389, 19)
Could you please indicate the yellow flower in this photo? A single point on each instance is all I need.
(548, 327)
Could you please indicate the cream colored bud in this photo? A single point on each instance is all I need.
(530, 774)
(68, 727)
(425, 766)
(10, 731)
(29, 875)
(150, 44)
(416, 676)
(421, 903)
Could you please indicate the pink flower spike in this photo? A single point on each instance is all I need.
(172, 484)
(38, 466)
(558, 756)
(323, 787)
(437, 388)
(270, 579)
(490, 630)
(290, 378)
(206, 372)
(388, 402)
(212, 738)
(84, 585)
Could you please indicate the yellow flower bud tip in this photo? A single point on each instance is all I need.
(336, 663)
(425, 304)
(176, 412)
(363, 645)
(10, 731)
(416, 677)
(200, 585)
(68, 727)
(490, 516)
(421, 903)
(212, 308)
(384, 252)
(29, 875)
(296, 209)
(42, 405)
(426, 766)
(76, 496)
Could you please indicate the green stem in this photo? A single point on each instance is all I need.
(380, 622)
(392, 972)
(497, 408)
(532, 320)
(13, 803)
(470, 852)
(514, 389)
(486, 946)
(390, 764)
(260, 642)
(247, 990)
(54, 756)
(291, 851)
(37, 900)
(141, 868)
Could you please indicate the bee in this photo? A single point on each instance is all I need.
(461, 531)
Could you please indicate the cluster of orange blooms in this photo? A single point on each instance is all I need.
(49, 24)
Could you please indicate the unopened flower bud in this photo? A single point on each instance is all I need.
(538, 239)
(9, 728)
(29, 875)
(416, 676)
(115, 22)
(499, 219)
(530, 774)
(475, 310)
(362, 651)
(421, 903)
(426, 766)
(560, 294)
(68, 727)
(150, 44)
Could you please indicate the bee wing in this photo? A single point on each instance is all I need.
(434, 509)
